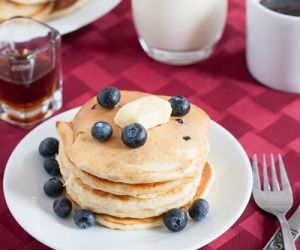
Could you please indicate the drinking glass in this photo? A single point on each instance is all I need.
(30, 71)
(179, 31)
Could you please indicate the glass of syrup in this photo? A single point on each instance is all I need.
(30, 71)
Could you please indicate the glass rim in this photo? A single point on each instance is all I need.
(55, 36)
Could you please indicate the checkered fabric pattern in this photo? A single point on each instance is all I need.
(107, 52)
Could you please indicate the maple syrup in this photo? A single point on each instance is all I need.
(25, 83)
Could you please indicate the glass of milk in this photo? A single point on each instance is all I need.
(179, 32)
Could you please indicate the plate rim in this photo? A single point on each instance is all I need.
(204, 242)
(71, 28)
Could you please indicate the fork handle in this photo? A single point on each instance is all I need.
(288, 240)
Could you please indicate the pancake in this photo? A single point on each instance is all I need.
(113, 222)
(30, 2)
(128, 223)
(65, 7)
(150, 222)
(165, 156)
(147, 190)
(37, 11)
(128, 206)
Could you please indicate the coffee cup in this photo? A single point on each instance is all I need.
(273, 46)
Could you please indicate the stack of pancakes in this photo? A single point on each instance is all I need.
(38, 9)
(132, 188)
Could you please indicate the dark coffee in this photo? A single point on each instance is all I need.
(287, 7)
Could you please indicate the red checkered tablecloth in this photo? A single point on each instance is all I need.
(107, 53)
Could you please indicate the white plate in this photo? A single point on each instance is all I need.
(90, 12)
(24, 178)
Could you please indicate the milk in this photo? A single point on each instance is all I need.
(179, 25)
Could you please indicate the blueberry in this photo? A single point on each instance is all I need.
(199, 209)
(186, 138)
(84, 218)
(49, 147)
(134, 135)
(108, 97)
(53, 187)
(101, 131)
(62, 207)
(52, 167)
(180, 105)
(180, 121)
(175, 219)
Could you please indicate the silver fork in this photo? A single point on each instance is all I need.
(275, 201)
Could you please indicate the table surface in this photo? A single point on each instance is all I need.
(263, 120)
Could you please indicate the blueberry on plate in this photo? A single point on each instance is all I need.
(52, 167)
(84, 218)
(109, 97)
(134, 135)
(53, 187)
(49, 147)
(180, 105)
(101, 131)
(62, 207)
(175, 219)
(199, 209)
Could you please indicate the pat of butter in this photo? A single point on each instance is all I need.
(148, 111)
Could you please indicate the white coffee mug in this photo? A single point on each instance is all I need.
(273, 47)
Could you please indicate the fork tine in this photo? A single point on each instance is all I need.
(283, 175)
(256, 180)
(265, 174)
(275, 184)
(277, 203)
